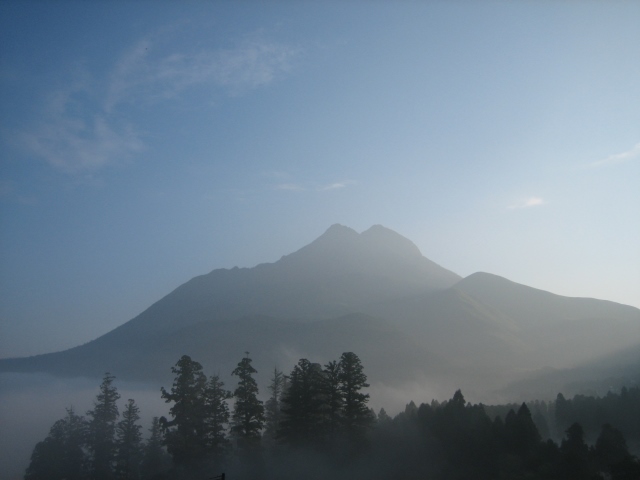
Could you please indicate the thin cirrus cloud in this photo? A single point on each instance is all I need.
(81, 130)
(618, 157)
(334, 186)
(527, 203)
(251, 64)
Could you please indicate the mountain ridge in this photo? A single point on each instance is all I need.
(371, 292)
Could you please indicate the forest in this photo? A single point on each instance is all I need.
(316, 424)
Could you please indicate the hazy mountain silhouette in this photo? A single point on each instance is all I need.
(372, 293)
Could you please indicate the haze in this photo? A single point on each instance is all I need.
(143, 144)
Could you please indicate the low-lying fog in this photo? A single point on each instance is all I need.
(31, 403)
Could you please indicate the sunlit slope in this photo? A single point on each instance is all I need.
(486, 321)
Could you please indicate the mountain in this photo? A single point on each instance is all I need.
(373, 293)
(334, 275)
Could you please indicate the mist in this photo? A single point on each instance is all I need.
(31, 403)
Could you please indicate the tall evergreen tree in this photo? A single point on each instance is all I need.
(356, 414)
(185, 435)
(303, 406)
(129, 443)
(521, 433)
(102, 429)
(216, 415)
(61, 455)
(155, 459)
(575, 453)
(333, 397)
(248, 412)
(272, 406)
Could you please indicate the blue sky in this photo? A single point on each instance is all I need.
(142, 144)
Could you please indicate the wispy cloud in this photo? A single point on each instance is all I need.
(251, 64)
(81, 128)
(333, 186)
(527, 203)
(618, 157)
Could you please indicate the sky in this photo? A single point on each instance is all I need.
(145, 143)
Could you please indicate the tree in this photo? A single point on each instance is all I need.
(129, 443)
(331, 385)
(102, 428)
(185, 435)
(60, 455)
(574, 453)
(248, 412)
(155, 460)
(273, 412)
(521, 433)
(356, 414)
(303, 406)
(216, 415)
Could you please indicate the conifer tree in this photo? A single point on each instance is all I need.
(129, 443)
(303, 406)
(248, 412)
(272, 406)
(155, 459)
(356, 414)
(333, 397)
(185, 435)
(102, 428)
(61, 454)
(216, 415)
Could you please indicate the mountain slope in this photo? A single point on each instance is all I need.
(489, 322)
(334, 275)
(372, 293)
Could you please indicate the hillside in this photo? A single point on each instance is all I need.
(373, 293)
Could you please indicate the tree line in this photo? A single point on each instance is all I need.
(316, 423)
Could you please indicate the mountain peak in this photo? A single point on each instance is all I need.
(338, 230)
(385, 237)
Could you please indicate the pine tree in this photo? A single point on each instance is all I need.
(333, 398)
(155, 459)
(357, 416)
(216, 415)
(272, 406)
(129, 443)
(185, 435)
(303, 406)
(61, 455)
(248, 412)
(102, 428)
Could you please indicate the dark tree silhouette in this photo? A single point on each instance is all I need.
(331, 387)
(248, 412)
(129, 443)
(155, 459)
(60, 455)
(185, 435)
(102, 429)
(272, 406)
(302, 406)
(357, 417)
(217, 415)
(575, 454)
(521, 434)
